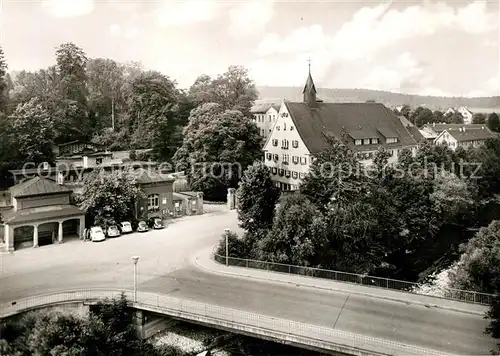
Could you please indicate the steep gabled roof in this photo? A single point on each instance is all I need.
(470, 134)
(344, 120)
(37, 186)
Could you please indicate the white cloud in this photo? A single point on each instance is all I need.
(68, 8)
(364, 37)
(490, 88)
(249, 17)
(115, 30)
(176, 13)
(131, 33)
(373, 28)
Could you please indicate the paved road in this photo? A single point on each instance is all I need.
(166, 267)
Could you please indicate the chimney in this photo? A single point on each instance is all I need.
(85, 162)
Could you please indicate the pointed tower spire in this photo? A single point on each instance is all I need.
(309, 92)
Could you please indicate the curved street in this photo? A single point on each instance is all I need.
(166, 266)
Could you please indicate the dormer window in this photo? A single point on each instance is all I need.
(374, 141)
(366, 141)
(358, 142)
(392, 140)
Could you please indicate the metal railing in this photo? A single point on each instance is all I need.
(365, 280)
(238, 320)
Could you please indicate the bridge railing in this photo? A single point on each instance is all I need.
(257, 324)
(365, 280)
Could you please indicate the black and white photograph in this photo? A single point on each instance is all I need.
(249, 177)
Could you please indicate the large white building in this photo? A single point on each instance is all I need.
(299, 133)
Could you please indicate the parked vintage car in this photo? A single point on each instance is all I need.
(113, 231)
(126, 227)
(96, 234)
(156, 223)
(142, 226)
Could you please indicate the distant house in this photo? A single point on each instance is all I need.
(40, 213)
(464, 137)
(265, 115)
(466, 113)
(432, 131)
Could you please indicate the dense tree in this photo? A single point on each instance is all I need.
(479, 118)
(421, 116)
(153, 113)
(232, 90)
(217, 146)
(73, 117)
(109, 198)
(438, 116)
(33, 131)
(257, 197)
(406, 111)
(494, 122)
(105, 81)
(298, 233)
(454, 117)
(3, 83)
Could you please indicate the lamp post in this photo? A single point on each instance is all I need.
(227, 245)
(135, 259)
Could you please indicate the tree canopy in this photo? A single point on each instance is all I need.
(217, 146)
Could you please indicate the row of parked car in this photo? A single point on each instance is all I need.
(98, 233)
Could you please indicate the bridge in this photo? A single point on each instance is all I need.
(237, 321)
(176, 266)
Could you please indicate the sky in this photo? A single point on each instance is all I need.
(418, 47)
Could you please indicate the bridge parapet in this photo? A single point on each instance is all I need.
(257, 325)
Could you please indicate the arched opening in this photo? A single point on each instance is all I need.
(47, 233)
(71, 228)
(23, 236)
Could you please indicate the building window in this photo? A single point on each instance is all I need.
(269, 130)
(98, 161)
(358, 142)
(281, 172)
(284, 144)
(153, 202)
(295, 159)
(275, 157)
(374, 141)
(302, 175)
(295, 175)
(287, 174)
(286, 158)
(291, 128)
(269, 156)
(303, 160)
(275, 142)
(392, 140)
(366, 141)
(274, 170)
(284, 126)
(295, 143)
(277, 128)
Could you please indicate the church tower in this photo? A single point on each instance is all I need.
(309, 92)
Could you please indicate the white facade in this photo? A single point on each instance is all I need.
(285, 153)
(265, 121)
(447, 138)
(466, 114)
